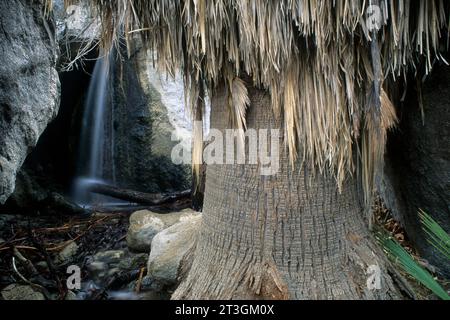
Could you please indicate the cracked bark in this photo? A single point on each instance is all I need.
(288, 236)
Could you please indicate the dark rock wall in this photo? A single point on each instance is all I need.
(142, 132)
(29, 84)
(417, 173)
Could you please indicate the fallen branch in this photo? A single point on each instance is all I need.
(136, 196)
(56, 203)
(139, 281)
(7, 245)
(25, 262)
(66, 243)
(19, 247)
(35, 276)
(48, 259)
(38, 287)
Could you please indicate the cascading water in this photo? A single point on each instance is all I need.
(96, 163)
(97, 99)
(125, 137)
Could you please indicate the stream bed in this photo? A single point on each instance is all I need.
(38, 255)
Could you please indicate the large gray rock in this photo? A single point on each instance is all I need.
(143, 130)
(21, 292)
(29, 84)
(170, 249)
(145, 224)
(75, 21)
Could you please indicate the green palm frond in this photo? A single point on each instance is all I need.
(402, 258)
(436, 236)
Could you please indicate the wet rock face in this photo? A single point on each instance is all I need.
(29, 84)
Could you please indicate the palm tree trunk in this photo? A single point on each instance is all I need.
(288, 236)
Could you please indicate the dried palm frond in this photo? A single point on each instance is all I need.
(320, 60)
(374, 143)
(238, 103)
(48, 7)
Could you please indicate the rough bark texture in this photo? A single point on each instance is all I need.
(289, 236)
(417, 173)
(29, 84)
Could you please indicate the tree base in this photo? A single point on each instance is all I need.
(293, 235)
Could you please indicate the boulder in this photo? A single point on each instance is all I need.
(171, 248)
(29, 84)
(144, 130)
(76, 21)
(145, 224)
(21, 292)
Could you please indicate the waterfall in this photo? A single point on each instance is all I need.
(96, 160)
(97, 102)
(125, 136)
